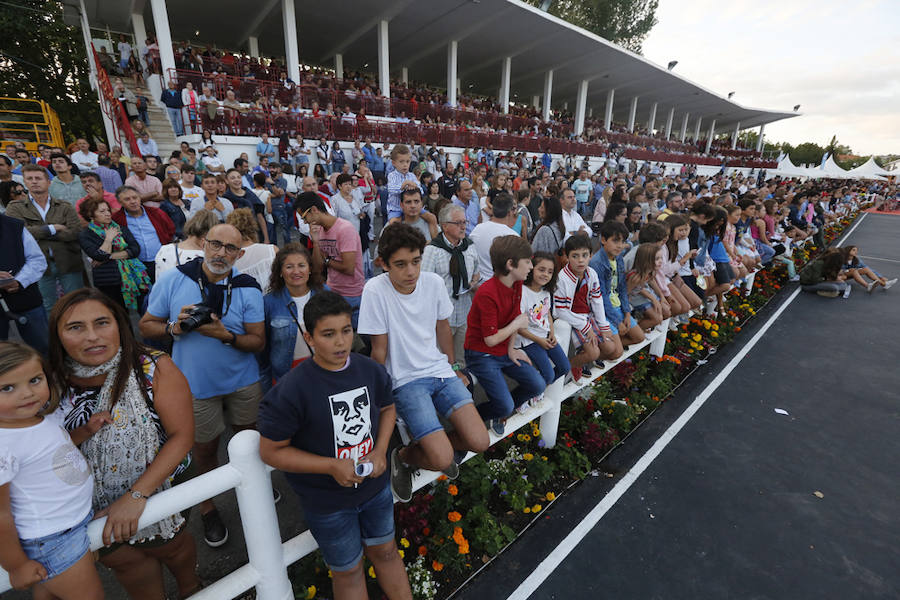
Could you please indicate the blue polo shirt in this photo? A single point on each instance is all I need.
(473, 211)
(266, 148)
(145, 233)
(211, 367)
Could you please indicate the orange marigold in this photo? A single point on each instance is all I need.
(426, 531)
(452, 490)
(453, 516)
(423, 550)
(437, 566)
(464, 548)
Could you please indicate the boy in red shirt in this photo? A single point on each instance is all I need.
(494, 320)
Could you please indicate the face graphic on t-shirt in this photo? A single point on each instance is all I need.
(351, 423)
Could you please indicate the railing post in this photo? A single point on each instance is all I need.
(260, 523)
(554, 391)
(658, 345)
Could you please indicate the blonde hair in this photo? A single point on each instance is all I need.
(399, 150)
(243, 220)
(13, 355)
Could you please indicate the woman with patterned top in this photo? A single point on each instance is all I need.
(129, 410)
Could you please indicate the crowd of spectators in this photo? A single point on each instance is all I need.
(399, 280)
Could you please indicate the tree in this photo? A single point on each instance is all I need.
(625, 22)
(808, 153)
(45, 59)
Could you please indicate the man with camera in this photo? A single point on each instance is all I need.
(215, 317)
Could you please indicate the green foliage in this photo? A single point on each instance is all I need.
(45, 59)
(625, 22)
(807, 153)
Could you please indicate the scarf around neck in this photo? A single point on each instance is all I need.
(120, 452)
(457, 261)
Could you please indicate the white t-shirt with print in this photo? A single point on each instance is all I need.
(50, 482)
(537, 306)
(409, 320)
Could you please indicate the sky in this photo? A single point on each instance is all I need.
(840, 61)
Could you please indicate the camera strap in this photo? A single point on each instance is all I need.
(216, 303)
(291, 307)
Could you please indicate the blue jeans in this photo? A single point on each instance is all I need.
(47, 284)
(489, 370)
(280, 216)
(765, 252)
(420, 401)
(342, 534)
(175, 117)
(551, 364)
(34, 332)
(354, 304)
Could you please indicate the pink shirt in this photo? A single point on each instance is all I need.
(149, 184)
(343, 237)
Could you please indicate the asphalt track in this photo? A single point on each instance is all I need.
(745, 502)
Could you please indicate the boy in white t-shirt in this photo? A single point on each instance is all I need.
(486, 232)
(405, 312)
(189, 191)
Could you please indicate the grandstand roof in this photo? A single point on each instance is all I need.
(487, 30)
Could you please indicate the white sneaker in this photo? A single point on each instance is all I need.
(870, 287)
(889, 283)
(847, 292)
(794, 278)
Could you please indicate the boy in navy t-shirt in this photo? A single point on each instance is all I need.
(324, 418)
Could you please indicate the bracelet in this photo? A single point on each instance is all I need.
(456, 366)
(137, 495)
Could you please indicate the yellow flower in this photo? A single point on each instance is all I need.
(372, 572)
(526, 510)
(684, 335)
(536, 508)
(310, 592)
(402, 555)
(535, 432)
(526, 437)
(404, 542)
(329, 573)
(697, 337)
(528, 456)
(550, 496)
(715, 327)
(543, 458)
(520, 437)
(714, 334)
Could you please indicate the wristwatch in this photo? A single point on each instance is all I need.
(232, 341)
(327, 261)
(137, 495)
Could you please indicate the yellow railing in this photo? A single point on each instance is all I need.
(29, 121)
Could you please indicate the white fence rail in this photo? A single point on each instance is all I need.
(268, 556)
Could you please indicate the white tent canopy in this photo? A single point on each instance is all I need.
(788, 169)
(869, 170)
(832, 170)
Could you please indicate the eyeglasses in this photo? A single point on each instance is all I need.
(457, 223)
(216, 245)
(18, 192)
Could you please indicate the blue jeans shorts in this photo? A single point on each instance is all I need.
(59, 551)
(341, 534)
(615, 315)
(421, 401)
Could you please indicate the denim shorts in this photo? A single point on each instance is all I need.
(342, 534)
(420, 401)
(59, 551)
(615, 314)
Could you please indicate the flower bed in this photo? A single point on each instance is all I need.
(452, 529)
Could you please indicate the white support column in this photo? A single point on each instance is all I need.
(452, 81)
(163, 38)
(140, 36)
(610, 98)
(339, 66)
(759, 142)
(632, 112)
(548, 93)
(566, 105)
(291, 48)
(591, 113)
(581, 106)
(505, 71)
(709, 138)
(697, 129)
(684, 122)
(734, 136)
(669, 120)
(253, 46)
(384, 60)
(536, 102)
(651, 124)
(404, 75)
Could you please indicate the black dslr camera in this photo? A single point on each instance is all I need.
(201, 314)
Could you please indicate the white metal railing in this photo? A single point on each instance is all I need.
(268, 556)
